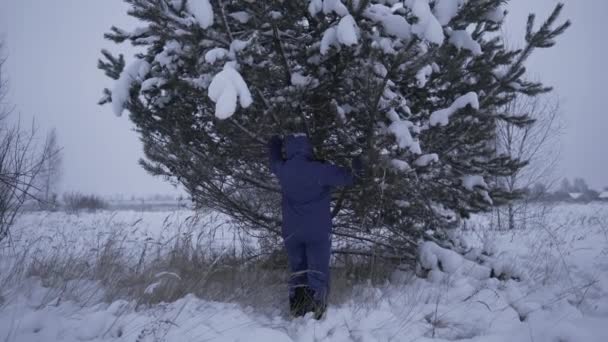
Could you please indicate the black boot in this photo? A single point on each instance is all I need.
(319, 308)
(301, 302)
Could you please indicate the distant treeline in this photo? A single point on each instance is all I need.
(576, 191)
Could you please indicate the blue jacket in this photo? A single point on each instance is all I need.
(306, 185)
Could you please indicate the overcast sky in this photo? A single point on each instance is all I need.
(53, 47)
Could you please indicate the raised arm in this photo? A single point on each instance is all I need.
(274, 153)
(333, 175)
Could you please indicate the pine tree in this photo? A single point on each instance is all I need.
(415, 86)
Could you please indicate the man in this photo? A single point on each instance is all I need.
(306, 186)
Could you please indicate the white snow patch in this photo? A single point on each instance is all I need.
(315, 7)
(276, 15)
(330, 38)
(386, 45)
(463, 40)
(472, 181)
(427, 27)
(297, 79)
(152, 82)
(441, 260)
(434, 257)
(401, 130)
(215, 54)
(238, 45)
(403, 204)
(395, 25)
(575, 195)
(224, 89)
(423, 75)
(446, 10)
(348, 31)
(335, 6)
(241, 16)
(426, 159)
(442, 116)
(400, 165)
(497, 15)
(134, 72)
(202, 11)
(170, 52)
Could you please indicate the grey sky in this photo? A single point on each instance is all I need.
(53, 48)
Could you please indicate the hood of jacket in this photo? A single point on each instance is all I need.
(298, 145)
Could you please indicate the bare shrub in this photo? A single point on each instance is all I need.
(537, 144)
(50, 174)
(21, 161)
(76, 202)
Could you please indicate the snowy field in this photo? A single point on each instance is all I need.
(558, 291)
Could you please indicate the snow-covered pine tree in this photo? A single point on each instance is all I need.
(416, 86)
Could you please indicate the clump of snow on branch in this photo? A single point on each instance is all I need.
(345, 33)
(470, 182)
(427, 27)
(348, 31)
(215, 54)
(241, 16)
(463, 40)
(136, 71)
(202, 11)
(297, 79)
(171, 52)
(423, 75)
(225, 88)
(151, 83)
(401, 130)
(330, 38)
(496, 15)
(327, 7)
(394, 25)
(335, 6)
(437, 259)
(442, 117)
(400, 165)
(446, 10)
(426, 160)
(315, 7)
(238, 45)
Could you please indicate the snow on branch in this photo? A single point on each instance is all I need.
(401, 130)
(423, 75)
(427, 27)
(446, 10)
(202, 12)
(442, 117)
(348, 31)
(394, 25)
(496, 15)
(345, 33)
(462, 39)
(225, 88)
(327, 7)
(136, 71)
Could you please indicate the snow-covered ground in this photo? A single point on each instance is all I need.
(561, 293)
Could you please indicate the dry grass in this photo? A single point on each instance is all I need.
(167, 270)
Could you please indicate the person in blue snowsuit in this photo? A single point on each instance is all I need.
(306, 186)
